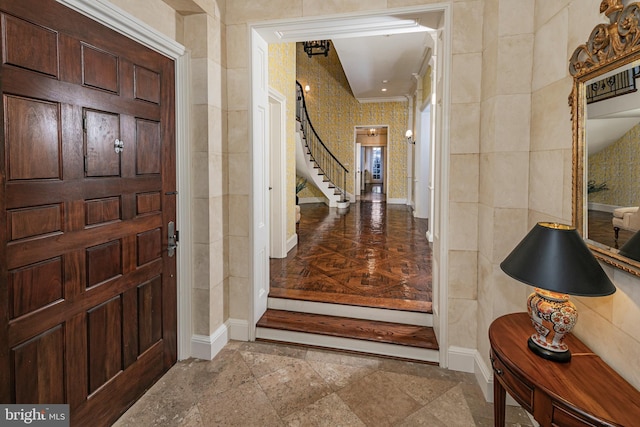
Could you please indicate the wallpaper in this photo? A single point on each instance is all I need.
(334, 113)
(282, 77)
(618, 166)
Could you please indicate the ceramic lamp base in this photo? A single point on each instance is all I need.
(553, 316)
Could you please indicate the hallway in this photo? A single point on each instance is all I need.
(375, 255)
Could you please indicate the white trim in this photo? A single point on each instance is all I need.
(354, 24)
(278, 176)
(305, 200)
(183, 175)
(352, 311)
(442, 233)
(369, 347)
(602, 207)
(484, 377)
(292, 242)
(396, 201)
(386, 99)
(461, 359)
(118, 20)
(238, 329)
(206, 347)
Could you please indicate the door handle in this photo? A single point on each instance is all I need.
(172, 242)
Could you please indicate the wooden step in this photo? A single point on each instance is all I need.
(400, 336)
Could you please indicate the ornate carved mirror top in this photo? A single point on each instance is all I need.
(605, 107)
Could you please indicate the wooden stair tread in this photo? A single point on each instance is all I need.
(369, 330)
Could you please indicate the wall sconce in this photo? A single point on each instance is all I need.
(307, 88)
(409, 136)
(372, 132)
(316, 47)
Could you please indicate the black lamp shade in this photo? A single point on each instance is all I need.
(554, 257)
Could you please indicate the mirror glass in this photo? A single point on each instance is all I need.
(605, 107)
(612, 158)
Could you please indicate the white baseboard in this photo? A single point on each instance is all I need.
(292, 242)
(601, 207)
(206, 347)
(484, 376)
(396, 201)
(305, 200)
(238, 329)
(462, 359)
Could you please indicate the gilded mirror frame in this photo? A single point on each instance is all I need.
(610, 46)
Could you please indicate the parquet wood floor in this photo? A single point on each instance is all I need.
(601, 229)
(375, 255)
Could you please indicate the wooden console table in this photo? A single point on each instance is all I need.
(582, 392)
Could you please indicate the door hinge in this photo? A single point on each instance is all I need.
(84, 123)
(177, 236)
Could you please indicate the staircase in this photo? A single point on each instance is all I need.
(315, 162)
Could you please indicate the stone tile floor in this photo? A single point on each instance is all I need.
(265, 384)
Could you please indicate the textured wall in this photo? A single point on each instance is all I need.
(282, 77)
(334, 113)
(617, 165)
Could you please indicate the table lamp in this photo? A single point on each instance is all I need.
(554, 259)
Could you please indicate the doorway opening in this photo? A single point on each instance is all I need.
(318, 28)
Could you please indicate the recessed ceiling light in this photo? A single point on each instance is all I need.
(384, 89)
(385, 81)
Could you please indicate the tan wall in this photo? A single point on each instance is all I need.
(509, 130)
(618, 166)
(282, 77)
(608, 324)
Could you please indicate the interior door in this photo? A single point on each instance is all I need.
(87, 189)
(260, 177)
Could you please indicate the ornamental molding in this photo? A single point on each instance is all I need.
(609, 42)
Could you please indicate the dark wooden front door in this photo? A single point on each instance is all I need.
(87, 188)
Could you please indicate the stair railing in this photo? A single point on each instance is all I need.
(333, 171)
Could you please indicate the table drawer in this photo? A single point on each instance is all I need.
(520, 390)
(564, 417)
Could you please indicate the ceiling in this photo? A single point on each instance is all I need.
(372, 46)
(388, 62)
(608, 120)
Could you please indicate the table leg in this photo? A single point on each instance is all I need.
(499, 397)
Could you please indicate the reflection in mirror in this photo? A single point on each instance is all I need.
(612, 158)
(605, 121)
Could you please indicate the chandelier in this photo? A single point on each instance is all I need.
(316, 47)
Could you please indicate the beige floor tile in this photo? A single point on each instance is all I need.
(266, 384)
(377, 400)
(451, 409)
(294, 387)
(246, 405)
(339, 376)
(423, 390)
(330, 411)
